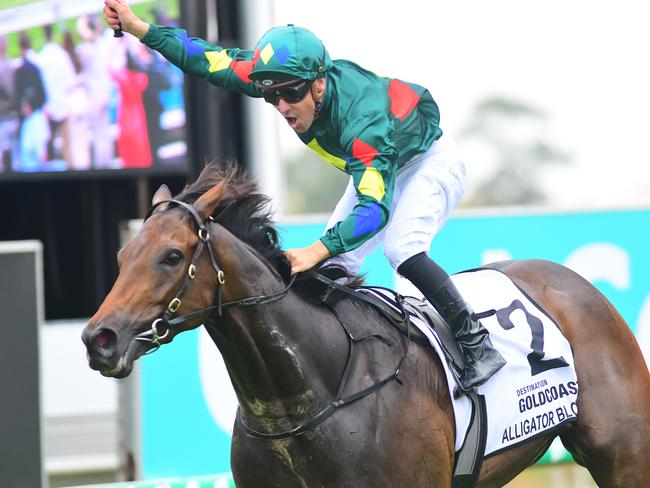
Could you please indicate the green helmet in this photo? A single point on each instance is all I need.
(287, 53)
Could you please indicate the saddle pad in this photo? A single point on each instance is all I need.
(536, 391)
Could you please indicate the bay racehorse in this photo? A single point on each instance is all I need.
(211, 256)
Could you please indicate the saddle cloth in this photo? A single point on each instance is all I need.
(536, 391)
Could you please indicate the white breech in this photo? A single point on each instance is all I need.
(427, 189)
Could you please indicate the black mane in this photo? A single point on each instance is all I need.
(243, 210)
(247, 214)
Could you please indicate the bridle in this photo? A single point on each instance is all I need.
(167, 321)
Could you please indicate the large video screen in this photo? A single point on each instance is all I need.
(76, 100)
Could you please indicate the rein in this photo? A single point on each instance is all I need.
(168, 321)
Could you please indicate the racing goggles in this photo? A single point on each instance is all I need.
(293, 92)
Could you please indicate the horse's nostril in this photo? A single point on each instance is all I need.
(105, 340)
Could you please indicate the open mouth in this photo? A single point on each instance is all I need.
(292, 121)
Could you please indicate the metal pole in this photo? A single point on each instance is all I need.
(261, 128)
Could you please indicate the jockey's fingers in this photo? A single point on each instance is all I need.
(297, 268)
(116, 8)
(111, 17)
(109, 14)
(116, 4)
(294, 266)
(112, 23)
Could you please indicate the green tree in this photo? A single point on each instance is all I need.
(513, 133)
(313, 186)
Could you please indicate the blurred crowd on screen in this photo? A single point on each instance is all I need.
(88, 101)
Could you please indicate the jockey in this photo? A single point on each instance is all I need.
(405, 176)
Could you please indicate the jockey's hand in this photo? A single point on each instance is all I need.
(305, 258)
(118, 14)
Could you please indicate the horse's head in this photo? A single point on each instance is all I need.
(155, 267)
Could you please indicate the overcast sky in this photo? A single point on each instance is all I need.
(585, 63)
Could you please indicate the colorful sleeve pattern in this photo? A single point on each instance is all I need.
(228, 68)
(371, 164)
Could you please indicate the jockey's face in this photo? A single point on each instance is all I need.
(300, 115)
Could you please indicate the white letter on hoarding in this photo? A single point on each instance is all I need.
(601, 261)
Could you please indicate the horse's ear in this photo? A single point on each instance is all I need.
(207, 202)
(161, 195)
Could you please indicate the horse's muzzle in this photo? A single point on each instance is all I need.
(101, 345)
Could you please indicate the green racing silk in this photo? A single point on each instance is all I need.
(368, 126)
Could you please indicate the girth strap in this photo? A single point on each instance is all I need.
(469, 459)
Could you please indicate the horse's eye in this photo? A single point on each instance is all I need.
(173, 258)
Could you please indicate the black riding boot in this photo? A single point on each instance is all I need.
(480, 358)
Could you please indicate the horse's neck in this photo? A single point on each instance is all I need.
(280, 356)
